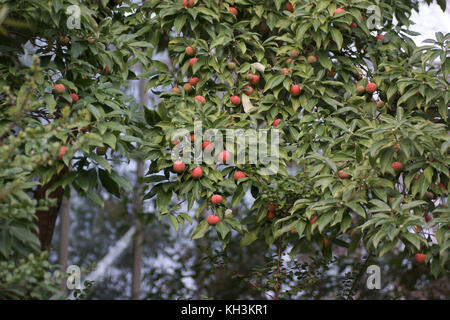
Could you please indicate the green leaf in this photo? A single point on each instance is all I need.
(248, 238)
(200, 230)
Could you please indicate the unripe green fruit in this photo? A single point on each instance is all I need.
(231, 65)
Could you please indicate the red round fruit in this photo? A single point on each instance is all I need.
(276, 122)
(60, 88)
(190, 51)
(175, 142)
(197, 173)
(371, 87)
(235, 100)
(216, 198)
(343, 175)
(380, 37)
(224, 156)
(289, 7)
(293, 53)
(397, 166)
(427, 218)
(62, 151)
(192, 61)
(176, 90)
(179, 166)
(254, 80)
(233, 11)
(270, 215)
(74, 97)
(187, 87)
(188, 3)
(200, 99)
(420, 257)
(239, 175)
(295, 89)
(353, 25)
(248, 90)
(338, 10)
(206, 144)
(193, 81)
(212, 220)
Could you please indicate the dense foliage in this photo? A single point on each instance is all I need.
(362, 112)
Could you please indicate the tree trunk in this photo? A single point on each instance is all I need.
(64, 238)
(138, 199)
(47, 218)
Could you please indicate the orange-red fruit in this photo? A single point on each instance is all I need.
(427, 218)
(371, 87)
(353, 25)
(255, 79)
(200, 99)
(192, 137)
(289, 60)
(343, 175)
(175, 142)
(178, 166)
(238, 175)
(192, 61)
(313, 219)
(225, 156)
(194, 80)
(289, 7)
(338, 10)
(187, 87)
(270, 215)
(188, 3)
(442, 186)
(295, 89)
(286, 71)
(235, 100)
(397, 148)
(312, 59)
(212, 220)
(197, 173)
(62, 151)
(60, 88)
(190, 51)
(107, 71)
(293, 53)
(206, 144)
(380, 37)
(176, 90)
(74, 97)
(233, 11)
(360, 89)
(380, 104)
(397, 166)
(248, 90)
(216, 198)
(420, 257)
(276, 122)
